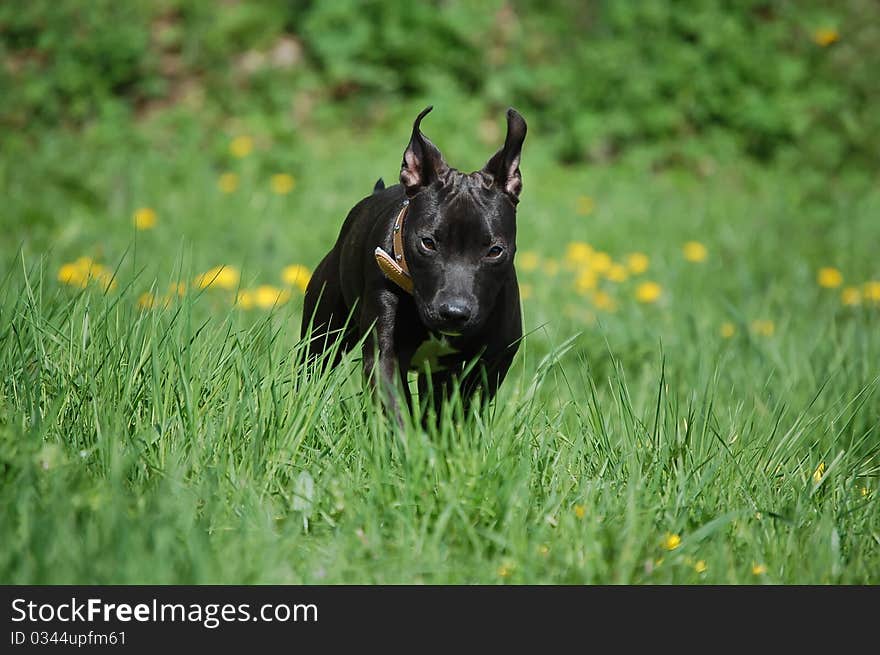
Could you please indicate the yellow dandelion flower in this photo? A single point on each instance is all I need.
(578, 252)
(580, 511)
(648, 292)
(267, 296)
(296, 275)
(96, 270)
(585, 281)
(825, 36)
(763, 327)
(601, 262)
(728, 329)
(758, 569)
(525, 291)
(700, 566)
(617, 273)
(865, 491)
(829, 278)
(106, 279)
(851, 296)
(282, 183)
(603, 300)
(147, 300)
(871, 291)
(245, 299)
(83, 270)
(585, 205)
(527, 260)
(505, 569)
(74, 275)
(671, 541)
(222, 277)
(241, 146)
(145, 218)
(177, 289)
(228, 182)
(637, 263)
(819, 473)
(694, 251)
(551, 267)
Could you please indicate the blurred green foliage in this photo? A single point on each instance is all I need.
(777, 80)
(62, 60)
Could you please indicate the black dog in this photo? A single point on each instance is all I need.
(446, 296)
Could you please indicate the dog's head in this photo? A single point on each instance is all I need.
(460, 235)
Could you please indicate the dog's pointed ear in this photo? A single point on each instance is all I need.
(422, 161)
(504, 165)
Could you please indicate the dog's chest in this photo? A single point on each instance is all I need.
(432, 354)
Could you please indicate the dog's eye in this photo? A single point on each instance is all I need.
(428, 243)
(495, 252)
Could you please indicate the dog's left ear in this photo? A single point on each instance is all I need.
(504, 165)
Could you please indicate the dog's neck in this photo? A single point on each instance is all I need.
(394, 266)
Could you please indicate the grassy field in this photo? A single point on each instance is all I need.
(696, 400)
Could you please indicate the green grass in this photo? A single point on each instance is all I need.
(184, 445)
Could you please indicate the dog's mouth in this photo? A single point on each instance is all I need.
(441, 328)
(447, 329)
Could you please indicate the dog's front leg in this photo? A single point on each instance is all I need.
(382, 366)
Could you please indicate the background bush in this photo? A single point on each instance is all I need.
(773, 79)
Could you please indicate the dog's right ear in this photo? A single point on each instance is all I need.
(422, 161)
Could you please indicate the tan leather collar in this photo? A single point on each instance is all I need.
(395, 268)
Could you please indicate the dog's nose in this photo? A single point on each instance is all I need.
(454, 312)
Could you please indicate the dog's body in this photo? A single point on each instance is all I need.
(459, 300)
